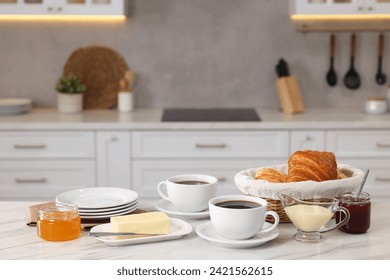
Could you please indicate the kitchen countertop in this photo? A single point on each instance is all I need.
(21, 242)
(150, 119)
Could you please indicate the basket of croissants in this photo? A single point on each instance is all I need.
(314, 172)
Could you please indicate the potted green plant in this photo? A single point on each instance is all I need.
(70, 91)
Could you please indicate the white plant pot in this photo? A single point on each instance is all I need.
(70, 103)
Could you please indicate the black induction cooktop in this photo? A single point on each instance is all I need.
(211, 115)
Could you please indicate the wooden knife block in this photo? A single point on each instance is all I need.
(289, 95)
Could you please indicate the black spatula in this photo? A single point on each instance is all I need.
(331, 76)
(352, 78)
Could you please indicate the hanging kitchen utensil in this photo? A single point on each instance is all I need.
(380, 76)
(352, 78)
(331, 76)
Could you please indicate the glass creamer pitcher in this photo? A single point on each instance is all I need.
(311, 214)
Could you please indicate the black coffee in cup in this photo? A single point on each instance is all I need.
(238, 204)
(192, 183)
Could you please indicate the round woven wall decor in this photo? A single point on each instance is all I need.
(101, 69)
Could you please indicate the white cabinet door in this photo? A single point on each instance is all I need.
(113, 158)
(47, 144)
(322, 7)
(90, 7)
(44, 179)
(208, 144)
(378, 180)
(148, 173)
(378, 6)
(307, 140)
(63, 7)
(359, 143)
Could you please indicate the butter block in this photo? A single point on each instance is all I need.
(147, 223)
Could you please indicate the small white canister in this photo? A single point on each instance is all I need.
(376, 105)
(125, 102)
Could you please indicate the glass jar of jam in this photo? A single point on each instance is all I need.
(360, 212)
(58, 222)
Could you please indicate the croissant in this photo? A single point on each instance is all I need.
(312, 165)
(271, 175)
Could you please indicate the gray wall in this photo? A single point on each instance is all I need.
(192, 53)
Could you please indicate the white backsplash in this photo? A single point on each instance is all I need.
(193, 53)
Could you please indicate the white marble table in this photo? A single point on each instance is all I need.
(17, 241)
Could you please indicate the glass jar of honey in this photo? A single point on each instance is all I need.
(360, 212)
(58, 222)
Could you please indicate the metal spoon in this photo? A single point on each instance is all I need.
(362, 183)
(380, 76)
(352, 78)
(331, 76)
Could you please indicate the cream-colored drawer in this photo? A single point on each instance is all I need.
(209, 144)
(369, 143)
(53, 144)
(148, 173)
(43, 180)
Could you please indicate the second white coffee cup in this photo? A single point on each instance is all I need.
(188, 192)
(239, 217)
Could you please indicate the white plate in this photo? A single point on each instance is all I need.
(208, 232)
(108, 215)
(167, 207)
(178, 229)
(14, 106)
(105, 210)
(94, 198)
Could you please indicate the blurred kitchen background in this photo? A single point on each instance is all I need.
(194, 53)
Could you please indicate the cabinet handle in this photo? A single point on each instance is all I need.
(382, 179)
(29, 181)
(50, 9)
(308, 138)
(370, 8)
(360, 8)
(382, 145)
(221, 179)
(59, 9)
(37, 146)
(210, 145)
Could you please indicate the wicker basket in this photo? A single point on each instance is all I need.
(276, 205)
(247, 184)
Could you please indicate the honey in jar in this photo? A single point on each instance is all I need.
(360, 212)
(58, 222)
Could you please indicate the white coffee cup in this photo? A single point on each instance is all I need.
(239, 224)
(186, 196)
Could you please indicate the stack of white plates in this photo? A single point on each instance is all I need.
(96, 203)
(14, 106)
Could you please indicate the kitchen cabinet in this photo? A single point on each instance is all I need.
(113, 159)
(160, 154)
(338, 7)
(63, 7)
(307, 140)
(43, 179)
(41, 164)
(364, 149)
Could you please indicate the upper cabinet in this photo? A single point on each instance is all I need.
(63, 7)
(337, 7)
(340, 15)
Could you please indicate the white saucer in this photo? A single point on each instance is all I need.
(167, 207)
(208, 232)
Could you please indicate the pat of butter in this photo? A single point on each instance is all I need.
(147, 223)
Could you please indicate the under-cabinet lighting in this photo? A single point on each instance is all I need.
(340, 17)
(67, 18)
